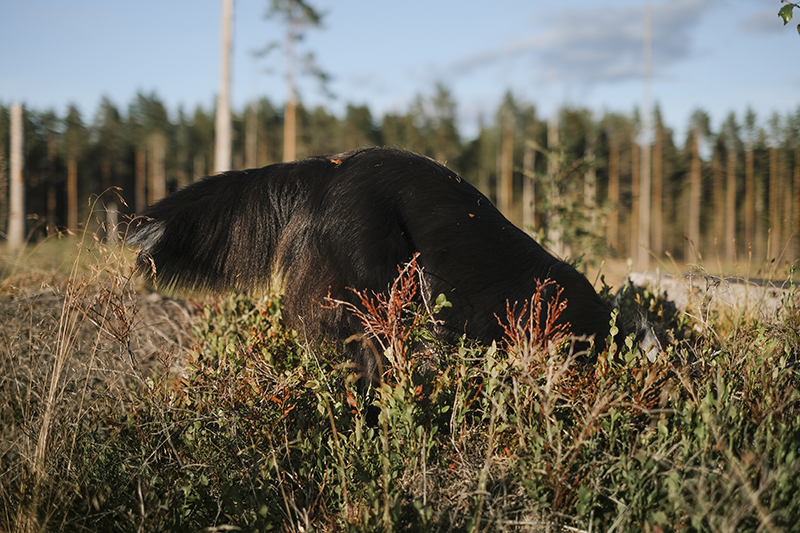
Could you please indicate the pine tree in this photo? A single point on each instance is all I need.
(298, 15)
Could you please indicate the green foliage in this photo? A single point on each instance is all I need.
(786, 12)
(262, 432)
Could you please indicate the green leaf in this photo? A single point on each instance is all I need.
(786, 13)
(798, 28)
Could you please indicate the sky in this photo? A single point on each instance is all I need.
(718, 55)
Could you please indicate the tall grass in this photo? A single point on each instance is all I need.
(71, 358)
(114, 421)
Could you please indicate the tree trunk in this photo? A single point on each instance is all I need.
(222, 157)
(52, 205)
(761, 238)
(112, 220)
(16, 211)
(52, 155)
(636, 191)
(643, 248)
(72, 194)
(157, 186)
(658, 193)
(719, 204)
(590, 178)
(612, 237)
(528, 189)
(290, 132)
(506, 189)
(181, 174)
(140, 185)
(199, 167)
(554, 234)
(774, 205)
(643, 244)
(251, 138)
(749, 200)
(796, 205)
(3, 184)
(110, 205)
(695, 192)
(730, 210)
(788, 230)
(290, 116)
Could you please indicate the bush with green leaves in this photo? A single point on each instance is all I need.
(264, 432)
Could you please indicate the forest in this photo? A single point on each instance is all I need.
(573, 179)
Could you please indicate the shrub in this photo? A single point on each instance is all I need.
(261, 431)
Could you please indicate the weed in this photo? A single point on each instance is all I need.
(109, 426)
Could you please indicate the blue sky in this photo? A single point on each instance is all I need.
(719, 55)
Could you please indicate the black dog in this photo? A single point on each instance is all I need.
(327, 224)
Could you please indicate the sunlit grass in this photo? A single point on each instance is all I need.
(248, 426)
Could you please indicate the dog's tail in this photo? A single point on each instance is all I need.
(216, 235)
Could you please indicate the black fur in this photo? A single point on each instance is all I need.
(328, 224)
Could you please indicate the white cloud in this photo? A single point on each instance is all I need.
(764, 21)
(601, 44)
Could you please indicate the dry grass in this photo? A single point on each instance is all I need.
(72, 349)
(116, 415)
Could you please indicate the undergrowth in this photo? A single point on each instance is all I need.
(259, 431)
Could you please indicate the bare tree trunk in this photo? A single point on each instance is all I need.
(695, 191)
(262, 155)
(554, 235)
(796, 205)
(590, 178)
(290, 132)
(111, 204)
(157, 186)
(636, 191)
(506, 188)
(52, 205)
(72, 194)
(140, 185)
(730, 210)
(251, 138)
(112, 220)
(643, 248)
(761, 217)
(749, 199)
(612, 237)
(222, 157)
(3, 184)
(16, 211)
(788, 230)
(643, 244)
(719, 204)
(52, 154)
(290, 116)
(199, 167)
(658, 193)
(774, 205)
(528, 188)
(181, 175)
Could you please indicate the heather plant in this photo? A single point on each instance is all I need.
(249, 427)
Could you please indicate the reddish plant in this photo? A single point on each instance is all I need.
(390, 318)
(535, 328)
